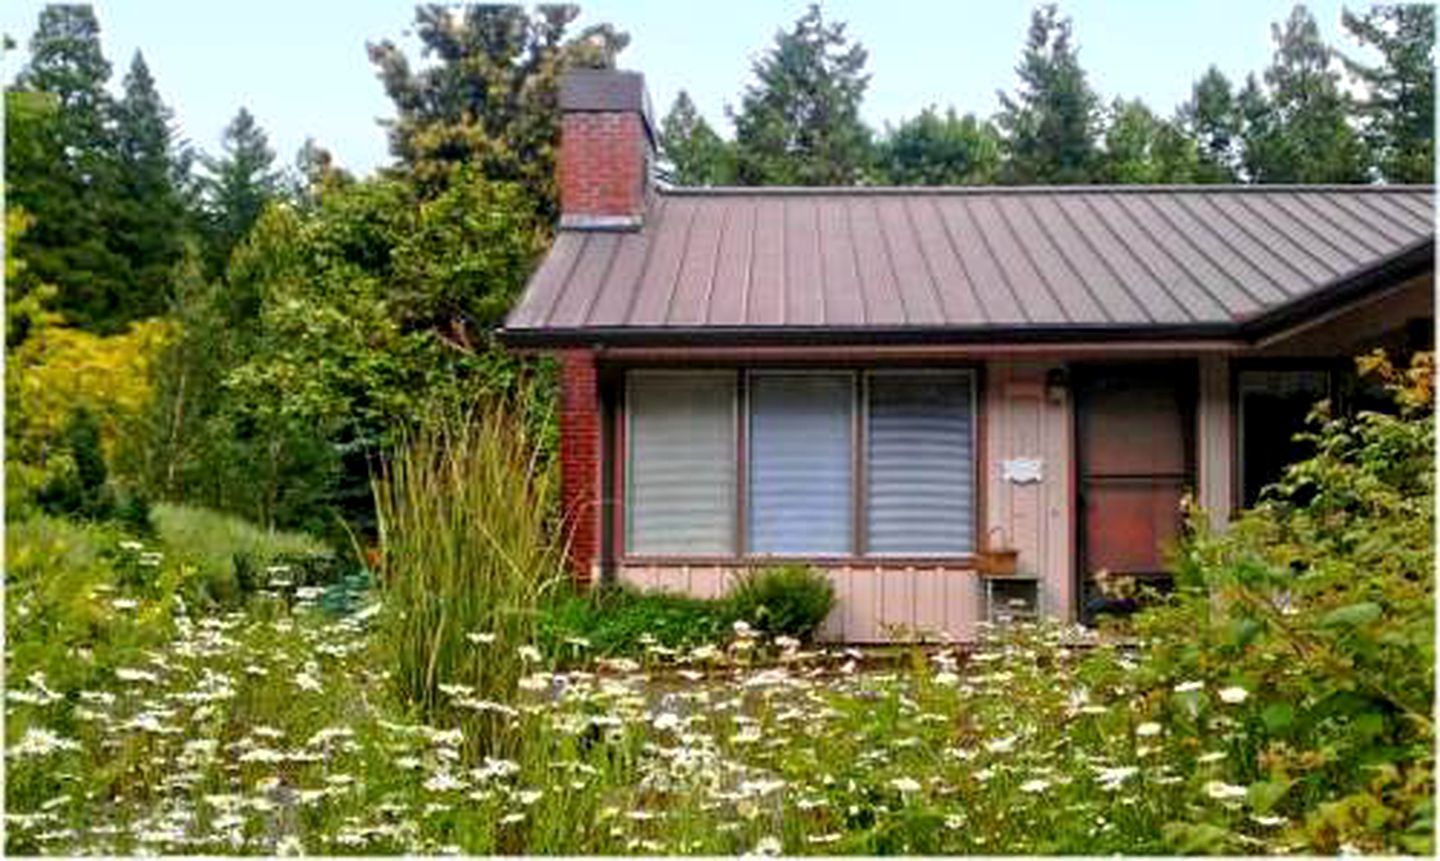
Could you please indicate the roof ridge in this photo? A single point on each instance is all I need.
(900, 190)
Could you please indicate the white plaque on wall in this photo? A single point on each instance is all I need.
(1022, 470)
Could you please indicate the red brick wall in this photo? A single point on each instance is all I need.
(580, 460)
(602, 163)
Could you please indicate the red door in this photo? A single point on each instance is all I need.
(1135, 444)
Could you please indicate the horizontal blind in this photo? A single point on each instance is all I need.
(920, 487)
(681, 475)
(801, 463)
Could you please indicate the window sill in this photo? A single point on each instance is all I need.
(965, 560)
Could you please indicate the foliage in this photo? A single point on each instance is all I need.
(691, 152)
(237, 187)
(799, 121)
(466, 557)
(1211, 117)
(931, 149)
(231, 555)
(1296, 128)
(489, 101)
(619, 620)
(787, 600)
(1398, 108)
(1143, 148)
(1051, 123)
(1320, 604)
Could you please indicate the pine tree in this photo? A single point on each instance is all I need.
(1051, 124)
(931, 149)
(1212, 118)
(799, 122)
(1398, 110)
(691, 153)
(1297, 129)
(61, 168)
(152, 218)
(237, 186)
(491, 100)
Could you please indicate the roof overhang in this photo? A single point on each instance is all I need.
(1355, 287)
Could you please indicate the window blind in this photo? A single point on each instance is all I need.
(920, 485)
(681, 476)
(801, 464)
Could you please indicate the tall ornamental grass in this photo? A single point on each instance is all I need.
(468, 553)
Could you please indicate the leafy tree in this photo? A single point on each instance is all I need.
(691, 152)
(151, 215)
(935, 149)
(1398, 108)
(1297, 129)
(1212, 118)
(1052, 123)
(237, 186)
(490, 100)
(799, 121)
(1143, 148)
(60, 167)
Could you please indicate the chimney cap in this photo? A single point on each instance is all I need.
(605, 90)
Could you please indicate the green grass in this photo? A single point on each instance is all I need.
(213, 541)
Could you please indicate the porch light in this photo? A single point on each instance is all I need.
(1057, 382)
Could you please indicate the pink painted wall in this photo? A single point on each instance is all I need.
(874, 603)
(1022, 421)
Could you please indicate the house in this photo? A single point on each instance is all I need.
(889, 383)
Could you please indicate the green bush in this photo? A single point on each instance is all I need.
(232, 555)
(788, 600)
(618, 620)
(1316, 608)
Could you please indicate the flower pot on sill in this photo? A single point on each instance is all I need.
(997, 559)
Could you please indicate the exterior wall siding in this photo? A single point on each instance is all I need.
(1037, 518)
(1215, 441)
(874, 603)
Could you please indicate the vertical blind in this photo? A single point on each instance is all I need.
(920, 482)
(801, 459)
(681, 474)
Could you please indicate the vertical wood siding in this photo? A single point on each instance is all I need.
(1036, 518)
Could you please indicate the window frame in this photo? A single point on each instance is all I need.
(860, 376)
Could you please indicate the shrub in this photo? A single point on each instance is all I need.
(232, 554)
(616, 620)
(1319, 605)
(789, 600)
(466, 557)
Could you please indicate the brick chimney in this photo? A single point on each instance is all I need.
(607, 148)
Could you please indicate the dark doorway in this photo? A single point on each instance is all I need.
(1135, 444)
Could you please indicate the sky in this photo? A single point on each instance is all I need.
(300, 65)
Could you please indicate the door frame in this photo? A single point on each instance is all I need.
(1186, 372)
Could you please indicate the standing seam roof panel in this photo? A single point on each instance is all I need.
(838, 269)
(1196, 251)
(1049, 262)
(1287, 275)
(1197, 302)
(877, 279)
(1100, 279)
(765, 305)
(958, 301)
(912, 276)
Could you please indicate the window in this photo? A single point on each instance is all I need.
(836, 463)
(921, 480)
(801, 457)
(681, 475)
(1273, 407)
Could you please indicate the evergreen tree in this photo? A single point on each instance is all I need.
(691, 153)
(151, 221)
(799, 122)
(1143, 148)
(1398, 110)
(931, 149)
(1212, 118)
(491, 99)
(1052, 123)
(61, 167)
(1298, 129)
(237, 186)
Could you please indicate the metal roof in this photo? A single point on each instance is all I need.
(937, 262)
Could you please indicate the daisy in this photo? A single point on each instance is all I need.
(1234, 695)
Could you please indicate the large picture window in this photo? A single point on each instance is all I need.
(835, 463)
